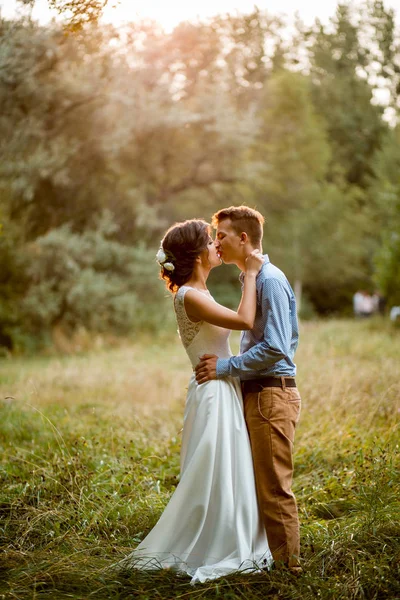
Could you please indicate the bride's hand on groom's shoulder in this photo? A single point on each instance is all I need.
(254, 262)
(206, 368)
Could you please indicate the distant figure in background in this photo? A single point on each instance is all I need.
(358, 303)
(395, 313)
(364, 305)
(368, 305)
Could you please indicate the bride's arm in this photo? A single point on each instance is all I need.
(201, 308)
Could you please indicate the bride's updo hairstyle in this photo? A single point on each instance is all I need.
(181, 245)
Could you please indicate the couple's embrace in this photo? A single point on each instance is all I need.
(233, 509)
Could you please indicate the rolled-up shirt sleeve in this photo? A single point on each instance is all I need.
(275, 345)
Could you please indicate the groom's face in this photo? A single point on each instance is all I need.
(228, 242)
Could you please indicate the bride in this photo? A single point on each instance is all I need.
(211, 526)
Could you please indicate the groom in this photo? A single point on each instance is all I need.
(266, 368)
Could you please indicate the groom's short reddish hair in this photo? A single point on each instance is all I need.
(244, 219)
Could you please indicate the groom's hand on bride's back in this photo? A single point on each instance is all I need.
(206, 368)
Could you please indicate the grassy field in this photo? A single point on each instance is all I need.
(90, 455)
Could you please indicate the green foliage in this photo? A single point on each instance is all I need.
(13, 281)
(333, 246)
(342, 70)
(383, 49)
(66, 281)
(155, 127)
(388, 267)
(385, 200)
(292, 147)
(87, 280)
(52, 166)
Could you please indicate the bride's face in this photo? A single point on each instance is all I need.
(210, 255)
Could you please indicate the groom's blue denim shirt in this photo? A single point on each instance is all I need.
(268, 348)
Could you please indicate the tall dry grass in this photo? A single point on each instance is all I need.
(90, 454)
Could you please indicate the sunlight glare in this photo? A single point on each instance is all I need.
(168, 14)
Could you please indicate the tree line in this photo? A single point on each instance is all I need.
(107, 136)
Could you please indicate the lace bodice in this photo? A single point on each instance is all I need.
(199, 338)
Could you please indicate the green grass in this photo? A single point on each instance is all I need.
(90, 454)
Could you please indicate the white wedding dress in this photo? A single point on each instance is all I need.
(211, 525)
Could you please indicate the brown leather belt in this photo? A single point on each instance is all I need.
(256, 385)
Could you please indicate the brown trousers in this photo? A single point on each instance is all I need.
(271, 416)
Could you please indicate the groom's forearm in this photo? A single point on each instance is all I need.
(223, 368)
(259, 358)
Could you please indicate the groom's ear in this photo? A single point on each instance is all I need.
(244, 237)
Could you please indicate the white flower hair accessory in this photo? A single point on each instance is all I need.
(161, 258)
(169, 266)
